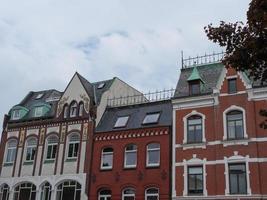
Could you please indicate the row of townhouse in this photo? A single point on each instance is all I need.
(106, 140)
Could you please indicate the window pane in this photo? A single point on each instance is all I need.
(151, 118)
(153, 157)
(49, 150)
(121, 121)
(71, 148)
(130, 158)
(195, 170)
(232, 85)
(153, 146)
(107, 160)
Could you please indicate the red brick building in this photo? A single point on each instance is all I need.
(132, 153)
(219, 147)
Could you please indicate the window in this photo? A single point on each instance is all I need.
(16, 114)
(194, 129)
(101, 85)
(121, 122)
(11, 151)
(81, 109)
(151, 118)
(46, 190)
(130, 156)
(38, 112)
(235, 129)
(73, 109)
(232, 85)
(69, 190)
(195, 180)
(74, 142)
(31, 149)
(194, 87)
(4, 192)
(52, 143)
(128, 194)
(104, 195)
(153, 155)
(237, 179)
(152, 194)
(39, 96)
(107, 158)
(65, 111)
(25, 191)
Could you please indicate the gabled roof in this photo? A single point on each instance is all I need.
(194, 75)
(99, 91)
(209, 75)
(136, 115)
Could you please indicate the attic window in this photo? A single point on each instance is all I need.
(121, 122)
(38, 111)
(151, 118)
(16, 114)
(39, 96)
(194, 87)
(101, 85)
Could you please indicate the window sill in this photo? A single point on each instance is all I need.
(28, 163)
(71, 160)
(129, 168)
(201, 145)
(242, 141)
(152, 166)
(8, 164)
(105, 169)
(49, 161)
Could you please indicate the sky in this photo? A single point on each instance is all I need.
(43, 43)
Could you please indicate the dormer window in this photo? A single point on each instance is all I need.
(232, 86)
(101, 85)
(39, 96)
(38, 112)
(121, 122)
(194, 87)
(16, 114)
(151, 118)
(73, 109)
(81, 109)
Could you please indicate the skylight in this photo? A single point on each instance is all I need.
(101, 85)
(151, 118)
(121, 122)
(39, 96)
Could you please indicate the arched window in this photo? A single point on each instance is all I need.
(65, 111)
(104, 194)
(81, 107)
(73, 109)
(4, 192)
(25, 191)
(52, 143)
(153, 155)
(130, 156)
(194, 129)
(31, 149)
(69, 190)
(152, 194)
(128, 194)
(46, 189)
(74, 142)
(235, 125)
(107, 158)
(11, 151)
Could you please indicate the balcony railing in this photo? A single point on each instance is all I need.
(142, 98)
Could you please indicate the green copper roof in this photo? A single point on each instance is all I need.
(194, 75)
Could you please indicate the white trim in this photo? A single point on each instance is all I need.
(125, 157)
(257, 94)
(232, 94)
(147, 155)
(185, 119)
(152, 195)
(212, 197)
(106, 153)
(11, 148)
(231, 77)
(72, 142)
(128, 195)
(231, 108)
(194, 162)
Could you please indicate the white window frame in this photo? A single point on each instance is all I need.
(105, 196)
(51, 144)
(65, 112)
(147, 155)
(232, 108)
(73, 142)
(236, 159)
(125, 156)
(128, 195)
(32, 146)
(151, 195)
(13, 149)
(185, 120)
(72, 106)
(38, 111)
(81, 109)
(106, 153)
(116, 125)
(16, 114)
(191, 163)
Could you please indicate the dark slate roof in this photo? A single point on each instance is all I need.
(50, 97)
(137, 114)
(99, 91)
(209, 74)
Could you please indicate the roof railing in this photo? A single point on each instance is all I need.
(201, 60)
(141, 98)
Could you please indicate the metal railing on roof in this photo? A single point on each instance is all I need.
(141, 98)
(201, 60)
